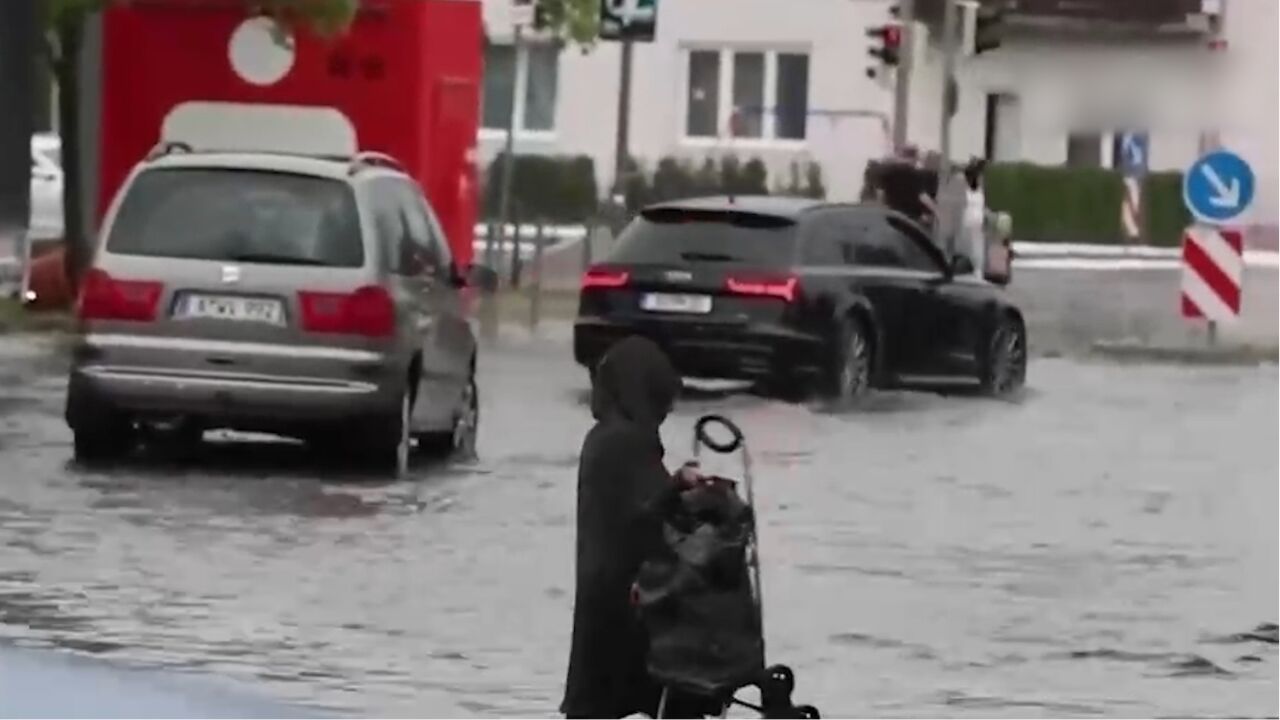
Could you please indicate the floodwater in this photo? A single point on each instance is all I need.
(1092, 549)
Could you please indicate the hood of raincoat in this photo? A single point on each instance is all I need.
(634, 381)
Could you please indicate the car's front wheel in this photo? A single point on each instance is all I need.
(460, 440)
(1005, 369)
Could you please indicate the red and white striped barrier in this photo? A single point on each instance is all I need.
(1131, 208)
(1212, 271)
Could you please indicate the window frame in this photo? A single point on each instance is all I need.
(521, 96)
(915, 234)
(724, 108)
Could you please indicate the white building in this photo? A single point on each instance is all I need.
(1055, 91)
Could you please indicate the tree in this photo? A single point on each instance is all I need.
(65, 22)
(575, 21)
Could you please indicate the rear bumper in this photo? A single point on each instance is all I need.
(744, 351)
(105, 381)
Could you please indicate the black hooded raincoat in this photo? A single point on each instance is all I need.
(621, 477)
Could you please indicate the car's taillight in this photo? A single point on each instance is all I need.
(103, 297)
(778, 287)
(604, 278)
(369, 312)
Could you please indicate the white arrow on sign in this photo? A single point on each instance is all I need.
(630, 11)
(1134, 149)
(1228, 195)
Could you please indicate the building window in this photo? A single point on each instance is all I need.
(747, 93)
(792, 95)
(1084, 149)
(1003, 128)
(704, 93)
(532, 79)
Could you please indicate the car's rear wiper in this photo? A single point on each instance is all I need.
(276, 259)
(708, 257)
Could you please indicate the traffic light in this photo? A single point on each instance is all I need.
(982, 25)
(886, 45)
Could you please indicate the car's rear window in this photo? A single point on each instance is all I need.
(239, 215)
(677, 235)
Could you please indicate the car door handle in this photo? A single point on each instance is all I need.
(425, 322)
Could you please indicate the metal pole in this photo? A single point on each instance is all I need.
(509, 158)
(949, 50)
(950, 47)
(535, 284)
(19, 28)
(622, 139)
(906, 63)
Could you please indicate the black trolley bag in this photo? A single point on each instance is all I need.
(699, 596)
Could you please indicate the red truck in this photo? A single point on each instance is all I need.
(404, 79)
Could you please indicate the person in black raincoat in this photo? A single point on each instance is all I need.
(621, 480)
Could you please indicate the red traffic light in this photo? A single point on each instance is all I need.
(893, 35)
(887, 41)
(890, 36)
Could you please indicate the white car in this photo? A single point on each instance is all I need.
(46, 186)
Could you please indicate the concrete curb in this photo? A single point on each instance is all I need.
(1226, 354)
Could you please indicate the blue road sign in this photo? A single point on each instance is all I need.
(1133, 153)
(1218, 187)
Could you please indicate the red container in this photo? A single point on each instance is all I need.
(407, 75)
(49, 283)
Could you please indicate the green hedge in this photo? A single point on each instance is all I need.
(1062, 204)
(675, 179)
(546, 188)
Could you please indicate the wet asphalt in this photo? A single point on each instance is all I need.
(1101, 546)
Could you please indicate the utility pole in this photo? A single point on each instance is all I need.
(906, 62)
(950, 47)
(622, 140)
(509, 157)
(19, 28)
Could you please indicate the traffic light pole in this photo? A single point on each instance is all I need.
(509, 154)
(622, 139)
(902, 90)
(950, 47)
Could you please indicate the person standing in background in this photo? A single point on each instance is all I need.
(975, 215)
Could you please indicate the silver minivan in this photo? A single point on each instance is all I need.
(301, 296)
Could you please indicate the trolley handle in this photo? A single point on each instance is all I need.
(703, 435)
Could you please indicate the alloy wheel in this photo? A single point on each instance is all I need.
(404, 440)
(467, 425)
(855, 372)
(1008, 359)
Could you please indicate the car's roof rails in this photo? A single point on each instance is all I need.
(368, 158)
(168, 147)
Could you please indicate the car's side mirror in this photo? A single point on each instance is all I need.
(476, 276)
(961, 265)
(999, 260)
(1003, 227)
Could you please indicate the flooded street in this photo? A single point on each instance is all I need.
(1086, 551)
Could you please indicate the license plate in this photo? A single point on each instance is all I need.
(665, 302)
(243, 309)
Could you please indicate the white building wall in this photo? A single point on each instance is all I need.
(831, 31)
(1175, 91)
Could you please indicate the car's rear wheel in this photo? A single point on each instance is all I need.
(110, 438)
(849, 374)
(390, 441)
(100, 433)
(1005, 369)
